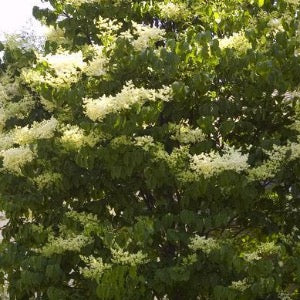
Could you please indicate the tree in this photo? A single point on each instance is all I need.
(152, 151)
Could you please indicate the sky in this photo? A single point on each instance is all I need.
(17, 14)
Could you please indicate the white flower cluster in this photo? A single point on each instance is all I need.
(6, 141)
(144, 141)
(125, 258)
(204, 244)
(15, 158)
(237, 41)
(65, 65)
(211, 164)
(60, 245)
(78, 3)
(38, 130)
(173, 11)
(291, 95)
(186, 135)
(47, 179)
(275, 25)
(95, 267)
(240, 285)
(57, 35)
(10, 88)
(24, 136)
(146, 36)
(267, 248)
(74, 138)
(19, 109)
(285, 296)
(277, 157)
(98, 65)
(97, 109)
(108, 29)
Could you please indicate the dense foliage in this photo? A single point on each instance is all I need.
(151, 151)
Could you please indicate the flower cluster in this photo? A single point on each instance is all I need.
(19, 109)
(240, 285)
(65, 63)
(38, 130)
(95, 267)
(211, 164)
(74, 138)
(60, 245)
(277, 157)
(144, 141)
(15, 158)
(119, 256)
(57, 35)
(97, 109)
(66, 67)
(78, 3)
(47, 179)
(268, 248)
(146, 36)
(173, 11)
(108, 29)
(98, 65)
(204, 244)
(8, 87)
(186, 135)
(237, 41)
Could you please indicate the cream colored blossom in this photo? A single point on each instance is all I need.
(173, 11)
(122, 257)
(20, 109)
(48, 105)
(15, 158)
(275, 25)
(210, 164)
(146, 36)
(240, 285)
(143, 141)
(6, 141)
(47, 179)
(65, 65)
(278, 156)
(98, 65)
(95, 267)
(9, 87)
(109, 29)
(38, 130)
(57, 35)
(237, 41)
(97, 109)
(64, 62)
(267, 248)
(74, 137)
(60, 245)
(186, 135)
(204, 244)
